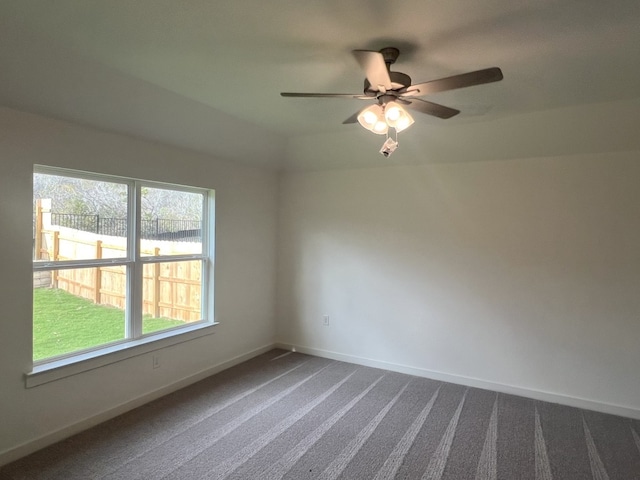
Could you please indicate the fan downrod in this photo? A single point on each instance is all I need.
(390, 55)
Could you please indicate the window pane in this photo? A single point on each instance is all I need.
(172, 294)
(76, 309)
(84, 216)
(77, 219)
(171, 222)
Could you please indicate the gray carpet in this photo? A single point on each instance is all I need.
(293, 416)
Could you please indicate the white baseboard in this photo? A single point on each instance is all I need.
(44, 441)
(471, 382)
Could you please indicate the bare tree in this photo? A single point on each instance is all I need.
(107, 199)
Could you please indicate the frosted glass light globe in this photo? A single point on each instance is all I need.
(370, 118)
(392, 113)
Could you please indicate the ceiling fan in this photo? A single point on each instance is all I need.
(391, 90)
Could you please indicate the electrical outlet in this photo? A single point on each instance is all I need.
(156, 361)
(325, 320)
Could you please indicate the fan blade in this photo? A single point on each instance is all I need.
(352, 119)
(430, 108)
(374, 68)
(488, 75)
(326, 95)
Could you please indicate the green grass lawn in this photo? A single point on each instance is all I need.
(64, 323)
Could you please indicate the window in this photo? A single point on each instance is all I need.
(116, 262)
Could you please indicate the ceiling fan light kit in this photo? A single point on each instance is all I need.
(372, 118)
(397, 117)
(391, 90)
(380, 117)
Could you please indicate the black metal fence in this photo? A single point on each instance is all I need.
(155, 229)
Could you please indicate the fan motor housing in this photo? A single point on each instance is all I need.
(398, 80)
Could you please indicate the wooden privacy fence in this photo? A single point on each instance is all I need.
(170, 289)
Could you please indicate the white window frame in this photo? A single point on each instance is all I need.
(135, 342)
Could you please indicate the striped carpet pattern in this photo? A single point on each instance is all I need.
(286, 415)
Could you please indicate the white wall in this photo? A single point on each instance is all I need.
(520, 275)
(246, 208)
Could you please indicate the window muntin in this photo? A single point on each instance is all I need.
(144, 285)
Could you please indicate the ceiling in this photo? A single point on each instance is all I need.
(206, 75)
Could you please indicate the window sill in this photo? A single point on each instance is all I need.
(56, 370)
